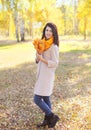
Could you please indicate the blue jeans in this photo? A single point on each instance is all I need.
(44, 103)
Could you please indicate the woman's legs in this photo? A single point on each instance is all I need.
(50, 118)
(44, 103)
(47, 101)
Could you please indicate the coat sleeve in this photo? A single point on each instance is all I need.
(53, 62)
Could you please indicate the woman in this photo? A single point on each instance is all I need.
(47, 64)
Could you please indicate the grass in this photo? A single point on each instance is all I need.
(72, 88)
(12, 55)
(75, 46)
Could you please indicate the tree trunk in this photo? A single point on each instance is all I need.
(63, 9)
(75, 20)
(16, 25)
(85, 28)
(22, 30)
(17, 29)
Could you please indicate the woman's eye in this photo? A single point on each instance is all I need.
(49, 30)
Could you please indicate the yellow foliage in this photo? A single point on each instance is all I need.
(7, 22)
(48, 12)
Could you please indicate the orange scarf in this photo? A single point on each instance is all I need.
(43, 44)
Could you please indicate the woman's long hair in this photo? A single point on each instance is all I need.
(54, 31)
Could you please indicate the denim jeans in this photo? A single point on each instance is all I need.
(44, 103)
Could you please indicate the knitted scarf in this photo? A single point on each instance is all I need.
(43, 44)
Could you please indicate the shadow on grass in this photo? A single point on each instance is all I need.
(81, 51)
(21, 73)
(16, 97)
(5, 43)
(73, 74)
(70, 75)
(17, 84)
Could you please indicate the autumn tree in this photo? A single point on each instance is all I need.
(75, 19)
(46, 11)
(14, 10)
(84, 15)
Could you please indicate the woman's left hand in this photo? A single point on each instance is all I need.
(42, 59)
(39, 57)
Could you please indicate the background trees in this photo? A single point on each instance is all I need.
(84, 15)
(21, 18)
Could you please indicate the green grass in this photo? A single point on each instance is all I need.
(12, 55)
(75, 47)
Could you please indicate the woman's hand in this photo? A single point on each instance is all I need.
(39, 56)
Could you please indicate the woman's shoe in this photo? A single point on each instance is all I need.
(52, 119)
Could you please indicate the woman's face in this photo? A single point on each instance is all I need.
(48, 32)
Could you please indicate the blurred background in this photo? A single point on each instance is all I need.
(25, 19)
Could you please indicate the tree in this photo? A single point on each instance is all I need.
(75, 19)
(18, 19)
(14, 9)
(84, 14)
(63, 9)
(49, 13)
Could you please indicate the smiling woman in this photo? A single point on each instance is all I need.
(47, 60)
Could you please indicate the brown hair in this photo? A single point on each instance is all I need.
(54, 31)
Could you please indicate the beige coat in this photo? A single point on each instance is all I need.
(46, 73)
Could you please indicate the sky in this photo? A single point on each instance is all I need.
(59, 2)
(69, 2)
